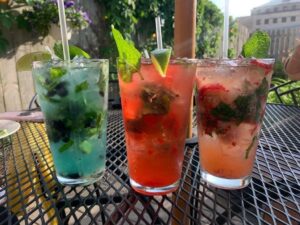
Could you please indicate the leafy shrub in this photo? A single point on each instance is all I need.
(286, 98)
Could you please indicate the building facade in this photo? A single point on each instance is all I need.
(281, 19)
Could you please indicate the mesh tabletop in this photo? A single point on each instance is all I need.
(30, 193)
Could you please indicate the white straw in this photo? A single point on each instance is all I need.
(146, 54)
(226, 29)
(63, 29)
(158, 32)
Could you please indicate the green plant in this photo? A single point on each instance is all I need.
(135, 20)
(43, 13)
(7, 20)
(37, 16)
(279, 70)
(25, 62)
(209, 27)
(287, 98)
(233, 32)
(3, 44)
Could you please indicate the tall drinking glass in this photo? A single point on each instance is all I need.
(156, 114)
(231, 100)
(73, 99)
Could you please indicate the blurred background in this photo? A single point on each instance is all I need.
(30, 25)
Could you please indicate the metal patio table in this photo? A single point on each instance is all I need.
(30, 194)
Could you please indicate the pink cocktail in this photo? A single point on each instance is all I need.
(231, 103)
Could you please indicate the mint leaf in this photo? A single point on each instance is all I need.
(257, 45)
(57, 72)
(263, 88)
(261, 92)
(66, 146)
(223, 112)
(102, 83)
(85, 147)
(250, 147)
(244, 104)
(156, 99)
(82, 86)
(129, 57)
(74, 51)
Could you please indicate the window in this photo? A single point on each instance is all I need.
(275, 9)
(283, 19)
(266, 21)
(257, 22)
(293, 18)
(275, 20)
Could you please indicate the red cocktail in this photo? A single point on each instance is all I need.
(156, 115)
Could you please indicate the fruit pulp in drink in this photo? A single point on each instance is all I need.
(231, 101)
(156, 114)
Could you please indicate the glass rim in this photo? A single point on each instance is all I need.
(238, 62)
(60, 62)
(179, 60)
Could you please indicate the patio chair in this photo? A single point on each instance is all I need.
(33, 102)
(287, 90)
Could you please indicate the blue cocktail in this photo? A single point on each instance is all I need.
(73, 98)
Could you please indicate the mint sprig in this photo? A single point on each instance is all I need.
(157, 99)
(129, 57)
(66, 146)
(247, 152)
(257, 45)
(82, 86)
(244, 108)
(74, 51)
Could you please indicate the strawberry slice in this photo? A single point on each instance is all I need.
(268, 67)
(208, 123)
(210, 95)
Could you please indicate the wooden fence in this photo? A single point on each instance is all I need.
(16, 88)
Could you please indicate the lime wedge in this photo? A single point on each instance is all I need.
(25, 62)
(160, 59)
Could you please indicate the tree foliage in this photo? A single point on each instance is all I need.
(7, 19)
(209, 29)
(135, 19)
(279, 70)
(233, 32)
(287, 98)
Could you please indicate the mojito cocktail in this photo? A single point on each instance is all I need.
(73, 98)
(231, 103)
(156, 114)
